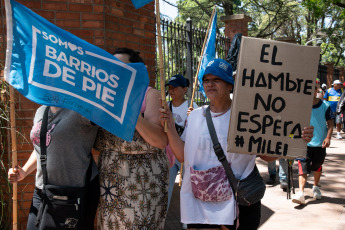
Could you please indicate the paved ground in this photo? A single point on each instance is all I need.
(280, 213)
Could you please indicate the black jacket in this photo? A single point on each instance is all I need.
(341, 105)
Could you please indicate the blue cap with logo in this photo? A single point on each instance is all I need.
(177, 80)
(221, 69)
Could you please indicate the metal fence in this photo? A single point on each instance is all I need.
(182, 45)
(322, 74)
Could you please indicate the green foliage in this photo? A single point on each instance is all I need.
(326, 21)
(333, 54)
(302, 21)
(271, 19)
(200, 11)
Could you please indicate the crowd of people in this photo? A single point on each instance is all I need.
(131, 187)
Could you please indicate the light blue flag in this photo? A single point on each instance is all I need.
(53, 67)
(140, 3)
(209, 51)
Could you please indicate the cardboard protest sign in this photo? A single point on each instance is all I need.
(273, 97)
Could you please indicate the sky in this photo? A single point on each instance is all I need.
(167, 9)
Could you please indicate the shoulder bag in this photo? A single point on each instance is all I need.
(247, 191)
(62, 207)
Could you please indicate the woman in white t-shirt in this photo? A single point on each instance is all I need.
(195, 149)
(177, 89)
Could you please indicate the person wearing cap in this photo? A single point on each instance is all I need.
(324, 87)
(177, 89)
(195, 149)
(333, 95)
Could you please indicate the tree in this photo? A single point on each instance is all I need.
(200, 11)
(305, 21)
(271, 19)
(326, 21)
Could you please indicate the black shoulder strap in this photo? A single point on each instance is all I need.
(43, 140)
(170, 106)
(219, 151)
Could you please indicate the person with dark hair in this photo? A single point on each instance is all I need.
(178, 86)
(134, 56)
(134, 175)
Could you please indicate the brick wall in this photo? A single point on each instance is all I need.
(107, 24)
(234, 24)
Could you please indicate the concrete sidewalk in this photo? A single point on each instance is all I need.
(280, 213)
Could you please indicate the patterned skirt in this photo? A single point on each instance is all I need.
(134, 184)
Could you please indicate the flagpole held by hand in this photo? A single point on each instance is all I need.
(14, 156)
(201, 56)
(197, 72)
(12, 118)
(161, 64)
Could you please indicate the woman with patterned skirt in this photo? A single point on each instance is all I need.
(134, 175)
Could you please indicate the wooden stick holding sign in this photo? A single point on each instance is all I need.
(14, 156)
(161, 64)
(200, 58)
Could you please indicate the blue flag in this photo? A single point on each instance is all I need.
(140, 3)
(209, 51)
(53, 67)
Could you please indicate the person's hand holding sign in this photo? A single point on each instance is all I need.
(307, 133)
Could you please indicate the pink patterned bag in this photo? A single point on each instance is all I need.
(210, 185)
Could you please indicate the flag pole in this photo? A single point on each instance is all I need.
(161, 64)
(197, 73)
(201, 55)
(14, 155)
(12, 116)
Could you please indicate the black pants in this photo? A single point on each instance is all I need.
(93, 194)
(250, 216)
(249, 219)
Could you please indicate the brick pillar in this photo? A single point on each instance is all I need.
(341, 73)
(234, 24)
(330, 71)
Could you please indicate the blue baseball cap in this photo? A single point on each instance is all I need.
(221, 69)
(177, 80)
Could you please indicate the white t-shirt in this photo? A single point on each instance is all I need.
(180, 112)
(199, 154)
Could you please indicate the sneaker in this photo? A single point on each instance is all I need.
(339, 136)
(272, 180)
(298, 198)
(283, 184)
(317, 192)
